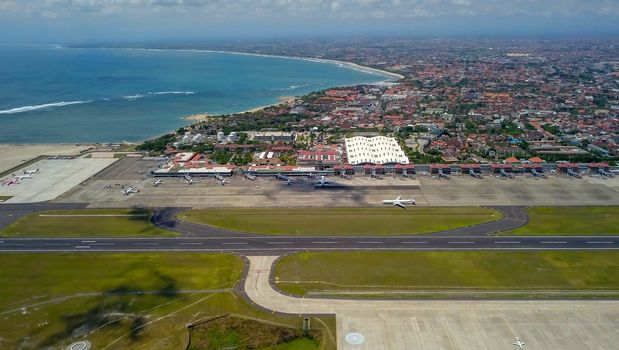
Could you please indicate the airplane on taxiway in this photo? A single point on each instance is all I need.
(399, 202)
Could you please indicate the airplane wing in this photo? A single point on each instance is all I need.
(398, 204)
(399, 197)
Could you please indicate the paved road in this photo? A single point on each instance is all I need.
(280, 245)
(450, 325)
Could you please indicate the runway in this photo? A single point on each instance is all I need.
(283, 244)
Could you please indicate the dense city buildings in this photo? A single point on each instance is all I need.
(476, 101)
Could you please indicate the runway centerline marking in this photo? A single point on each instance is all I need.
(89, 241)
(369, 242)
(279, 242)
(82, 246)
(234, 243)
(414, 242)
(499, 242)
(324, 242)
(600, 242)
(54, 244)
(146, 243)
(461, 242)
(553, 242)
(103, 244)
(191, 243)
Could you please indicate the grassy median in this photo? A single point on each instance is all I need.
(475, 274)
(120, 300)
(87, 223)
(570, 221)
(341, 221)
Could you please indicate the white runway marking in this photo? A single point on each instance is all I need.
(234, 243)
(414, 242)
(600, 242)
(461, 242)
(553, 242)
(506, 242)
(324, 242)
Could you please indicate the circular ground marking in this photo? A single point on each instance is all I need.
(80, 345)
(354, 338)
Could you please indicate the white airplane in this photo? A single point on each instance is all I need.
(399, 202)
(322, 182)
(157, 183)
(21, 177)
(189, 179)
(518, 343)
(31, 172)
(223, 181)
(219, 177)
(130, 190)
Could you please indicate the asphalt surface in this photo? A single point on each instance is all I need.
(197, 237)
(279, 245)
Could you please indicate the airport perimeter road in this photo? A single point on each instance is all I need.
(280, 245)
(449, 325)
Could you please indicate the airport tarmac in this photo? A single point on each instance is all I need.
(12, 155)
(484, 325)
(105, 190)
(55, 176)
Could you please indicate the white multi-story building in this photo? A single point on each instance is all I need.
(374, 150)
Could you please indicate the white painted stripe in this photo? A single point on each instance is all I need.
(600, 242)
(461, 242)
(369, 242)
(89, 241)
(324, 242)
(501, 242)
(145, 243)
(54, 244)
(234, 243)
(279, 242)
(12, 244)
(414, 242)
(553, 242)
(103, 244)
(192, 243)
(82, 246)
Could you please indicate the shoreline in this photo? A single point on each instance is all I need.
(343, 64)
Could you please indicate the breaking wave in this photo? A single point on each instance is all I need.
(42, 106)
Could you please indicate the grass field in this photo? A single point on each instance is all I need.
(570, 221)
(86, 223)
(472, 274)
(341, 221)
(5, 198)
(120, 301)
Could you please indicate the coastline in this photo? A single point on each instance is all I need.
(344, 64)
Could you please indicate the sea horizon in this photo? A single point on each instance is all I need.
(79, 96)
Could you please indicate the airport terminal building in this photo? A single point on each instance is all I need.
(374, 150)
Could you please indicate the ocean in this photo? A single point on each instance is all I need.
(51, 94)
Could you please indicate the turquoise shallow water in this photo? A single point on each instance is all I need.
(52, 94)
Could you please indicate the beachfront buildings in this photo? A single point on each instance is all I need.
(374, 150)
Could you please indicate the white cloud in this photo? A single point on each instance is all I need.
(309, 8)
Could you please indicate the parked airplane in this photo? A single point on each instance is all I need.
(443, 175)
(10, 182)
(605, 173)
(399, 202)
(284, 178)
(130, 190)
(250, 176)
(322, 182)
(223, 181)
(518, 343)
(219, 177)
(188, 178)
(157, 183)
(537, 173)
(475, 174)
(31, 172)
(575, 174)
(506, 174)
(21, 177)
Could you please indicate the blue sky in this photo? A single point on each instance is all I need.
(122, 20)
